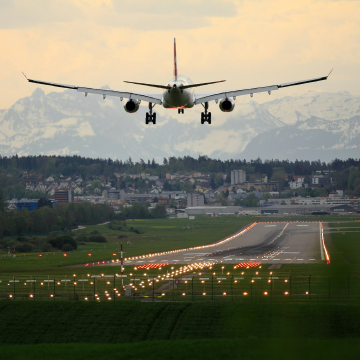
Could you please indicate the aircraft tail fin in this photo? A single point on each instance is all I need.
(175, 62)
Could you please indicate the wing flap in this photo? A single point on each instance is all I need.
(200, 98)
(153, 98)
(224, 94)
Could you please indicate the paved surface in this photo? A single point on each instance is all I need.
(269, 243)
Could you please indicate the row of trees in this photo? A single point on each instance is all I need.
(46, 219)
(70, 165)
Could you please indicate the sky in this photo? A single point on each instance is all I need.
(248, 43)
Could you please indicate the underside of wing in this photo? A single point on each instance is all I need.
(153, 98)
(201, 98)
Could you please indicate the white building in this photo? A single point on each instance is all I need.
(238, 177)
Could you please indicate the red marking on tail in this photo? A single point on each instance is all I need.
(175, 61)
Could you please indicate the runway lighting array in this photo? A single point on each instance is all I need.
(229, 238)
(323, 244)
(247, 265)
(151, 266)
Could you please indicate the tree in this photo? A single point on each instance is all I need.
(44, 202)
(3, 203)
(50, 167)
(228, 178)
(167, 186)
(266, 196)
(212, 183)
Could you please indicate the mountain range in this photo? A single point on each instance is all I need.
(310, 126)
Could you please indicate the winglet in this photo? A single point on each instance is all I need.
(25, 76)
(330, 72)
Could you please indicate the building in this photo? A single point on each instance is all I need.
(62, 196)
(27, 204)
(238, 177)
(214, 210)
(112, 194)
(195, 200)
(320, 180)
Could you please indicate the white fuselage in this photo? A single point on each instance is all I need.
(177, 98)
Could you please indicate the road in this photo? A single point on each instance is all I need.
(284, 242)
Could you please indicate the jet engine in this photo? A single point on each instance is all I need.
(226, 105)
(132, 105)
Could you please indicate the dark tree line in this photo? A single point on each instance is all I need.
(77, 165)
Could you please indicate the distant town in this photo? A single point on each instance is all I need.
(238, 191)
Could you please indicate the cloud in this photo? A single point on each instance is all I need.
(184, 8)
(16, 14)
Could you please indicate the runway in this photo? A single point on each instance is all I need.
(283, 242)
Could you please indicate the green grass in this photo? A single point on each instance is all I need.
(158, 235)
(270, 348)
(126, 322)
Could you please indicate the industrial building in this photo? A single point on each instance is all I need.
(195, 200)
(64, 196)
(270, 210)
(29, 204)
(213, 210)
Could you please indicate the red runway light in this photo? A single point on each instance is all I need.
(40, 255)
(114, 254)
(89, 254)
(65, 255)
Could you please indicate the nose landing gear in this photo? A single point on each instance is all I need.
(180, 111)
(150, 117)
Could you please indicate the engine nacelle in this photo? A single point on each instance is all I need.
(227, 105)
(132, 105)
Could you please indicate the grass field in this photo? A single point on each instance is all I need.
(270, 348)
(275, 325)
(158, 235)
(125, 322)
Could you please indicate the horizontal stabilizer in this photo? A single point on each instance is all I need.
(168, 87)
(202, 84)
(151, 85)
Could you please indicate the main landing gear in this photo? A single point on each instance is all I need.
(180, 111)
(205, 116)
(150, 117)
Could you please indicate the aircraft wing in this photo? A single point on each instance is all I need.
(201, 98)
(153, 98)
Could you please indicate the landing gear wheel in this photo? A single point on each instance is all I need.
(205, 116)
(150, 116)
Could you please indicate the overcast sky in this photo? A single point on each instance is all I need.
(246, 42)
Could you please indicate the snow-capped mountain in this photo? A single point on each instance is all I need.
(312, 139)
(329, 106)
(68, 123)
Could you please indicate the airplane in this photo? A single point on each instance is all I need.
(178, 94)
